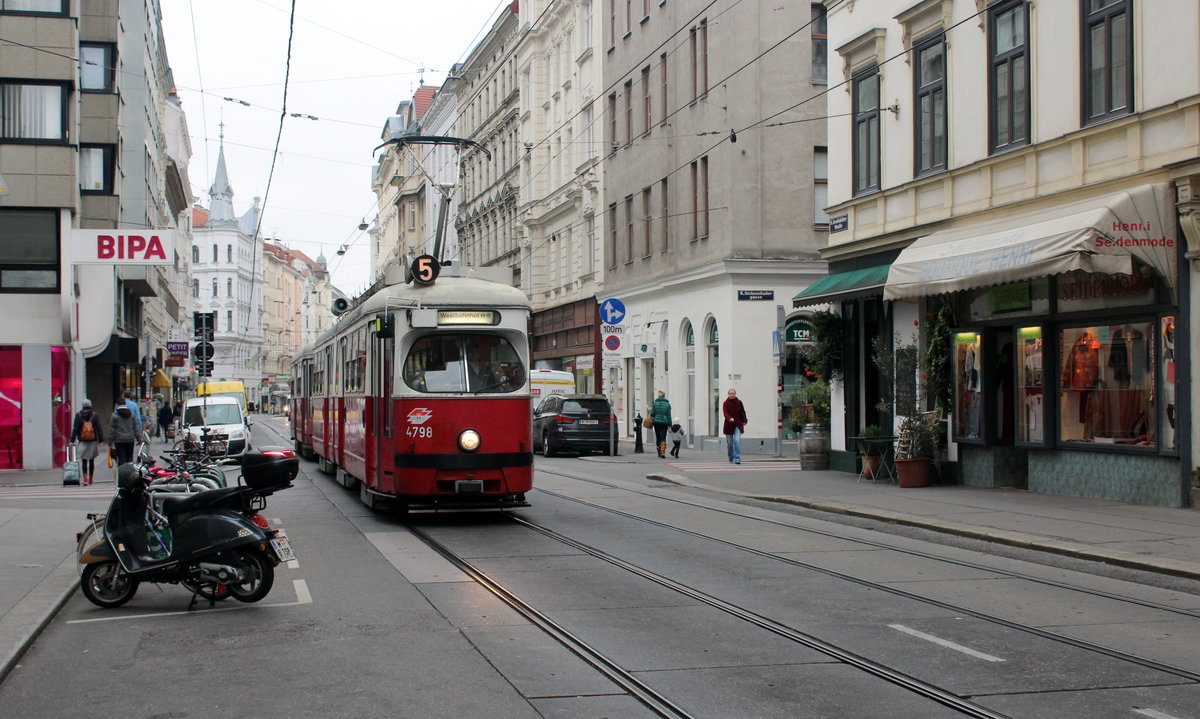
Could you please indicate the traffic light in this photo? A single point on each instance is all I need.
(204, 324)
(204, 368)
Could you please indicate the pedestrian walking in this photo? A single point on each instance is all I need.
(735, 423)
(660, 414)
(165, 417)
(122, 433)
(675, 437)
(86, 432)
(131, 403)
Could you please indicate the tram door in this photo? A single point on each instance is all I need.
(382, 350)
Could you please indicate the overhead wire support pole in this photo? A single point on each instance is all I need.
(458, 142)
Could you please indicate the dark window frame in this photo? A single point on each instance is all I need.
(61, 12)
(6, 266)
(108, 168)
(65, 90)
(1089, 20)
(869, 118)
(819, 37)
(1017, 136)
(930, 90)
(109, 66)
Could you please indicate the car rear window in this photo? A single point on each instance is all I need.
(585, 405)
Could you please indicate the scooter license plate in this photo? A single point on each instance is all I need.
(283, 549)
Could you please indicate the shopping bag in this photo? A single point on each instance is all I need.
(71, 472)
(110, 457)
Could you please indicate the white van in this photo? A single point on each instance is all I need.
(545, 382)
(227, 425)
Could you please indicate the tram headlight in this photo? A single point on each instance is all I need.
(468, 440)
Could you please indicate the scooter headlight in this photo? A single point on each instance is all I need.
(468, 440)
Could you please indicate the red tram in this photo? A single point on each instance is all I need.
(420, 394)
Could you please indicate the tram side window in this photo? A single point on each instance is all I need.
(463, 363)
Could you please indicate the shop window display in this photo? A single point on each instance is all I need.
(968, 386)
(1107, 384)
(1167, 343)
(1030, 386)
(10, 408)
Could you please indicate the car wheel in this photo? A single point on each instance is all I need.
(546, 451)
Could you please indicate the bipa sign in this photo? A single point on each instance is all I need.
(124, 247)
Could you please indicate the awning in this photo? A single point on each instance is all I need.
(1101, 234)
(160, 379)
(843, 286)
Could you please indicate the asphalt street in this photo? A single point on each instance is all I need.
(366, 603)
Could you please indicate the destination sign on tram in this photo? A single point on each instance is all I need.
(468, 317)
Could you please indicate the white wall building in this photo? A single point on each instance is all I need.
(1031, 167)
(227, 276)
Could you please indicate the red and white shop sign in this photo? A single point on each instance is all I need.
(124, 247)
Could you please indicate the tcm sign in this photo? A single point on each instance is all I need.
(124, 247)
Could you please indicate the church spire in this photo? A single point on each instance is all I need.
(221, 193)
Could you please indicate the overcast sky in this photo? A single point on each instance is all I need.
(353, 61)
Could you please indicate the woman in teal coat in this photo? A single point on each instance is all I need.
(660, 414)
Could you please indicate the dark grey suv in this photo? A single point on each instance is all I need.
(573, 422)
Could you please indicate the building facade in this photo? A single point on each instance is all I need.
(92, 155)
(712, 190)
(1028, 171)
(561, 189)
(227, 279)
(488, 114)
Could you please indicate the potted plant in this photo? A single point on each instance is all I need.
(905, 377)
(916, 448)
(870, 452)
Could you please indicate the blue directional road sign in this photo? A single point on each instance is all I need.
(612, 311)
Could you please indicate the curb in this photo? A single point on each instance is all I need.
(26, 620)
(1187, 570)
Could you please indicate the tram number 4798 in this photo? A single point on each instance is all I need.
(420, 432)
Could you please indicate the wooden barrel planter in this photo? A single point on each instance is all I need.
(814, 447)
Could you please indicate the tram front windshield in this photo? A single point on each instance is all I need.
(472, 363)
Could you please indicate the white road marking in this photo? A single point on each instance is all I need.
(1154, 714)
(303, 596)
(945, 643)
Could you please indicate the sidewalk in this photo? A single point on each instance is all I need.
(1155, 539)
(37, 545)
(37, 555)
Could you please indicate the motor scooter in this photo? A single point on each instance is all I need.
(215, 542)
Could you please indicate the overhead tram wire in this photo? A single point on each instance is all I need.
(679, 109)
(763, 121)
(534, 24)
(200, 77)
(654, 54)
(287, 71)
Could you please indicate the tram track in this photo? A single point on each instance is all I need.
(642, 691)
(1120, 655)
(1099, 593)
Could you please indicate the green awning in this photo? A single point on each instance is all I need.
(844, 286)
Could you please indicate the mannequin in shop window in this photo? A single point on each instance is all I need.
(1081, 370)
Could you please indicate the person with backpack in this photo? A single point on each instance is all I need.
(87, 433)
